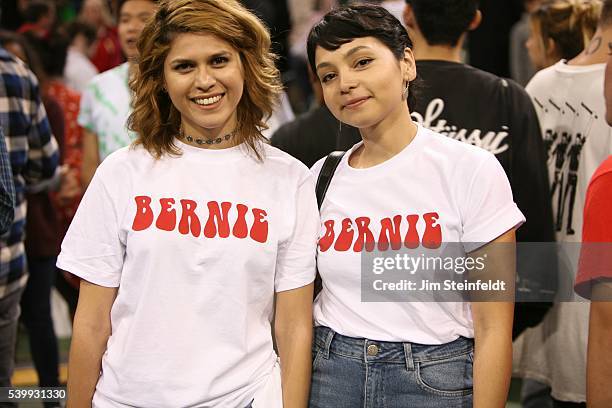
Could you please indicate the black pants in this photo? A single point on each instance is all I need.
(36, 316)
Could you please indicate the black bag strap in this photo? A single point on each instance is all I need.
(323, 181)
(327, 173)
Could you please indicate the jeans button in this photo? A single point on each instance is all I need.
(372, 350)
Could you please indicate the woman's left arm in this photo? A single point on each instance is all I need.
(293, 332)
(493, 327)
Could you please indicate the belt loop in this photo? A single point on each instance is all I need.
(328, 341)
(408, 356)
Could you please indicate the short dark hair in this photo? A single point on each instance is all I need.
(33, 62)
(76, 28)
(36, 10)
(120, 4)
(51, 51)
(442, 22)
(344, 24)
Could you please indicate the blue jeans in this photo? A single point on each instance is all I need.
(359, 373)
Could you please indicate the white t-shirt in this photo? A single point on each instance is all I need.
(568, 99)
(105, 108)
(469, 193)
(79, 70)
(197, 246)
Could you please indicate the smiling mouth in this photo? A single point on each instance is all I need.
(356, 103)
(208, 101)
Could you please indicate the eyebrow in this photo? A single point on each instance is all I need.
(348, 54)
(181, 60)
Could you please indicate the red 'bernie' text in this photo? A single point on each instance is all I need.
(360, 238)
(216, 224)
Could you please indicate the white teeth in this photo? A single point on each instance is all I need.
(207, 101)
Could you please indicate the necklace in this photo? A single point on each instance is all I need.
(208, 141)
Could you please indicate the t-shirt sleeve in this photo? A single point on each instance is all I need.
(596, 252)
(92, 248)
(296, 260)
(488, 210)
(315, 170)
(85, 118)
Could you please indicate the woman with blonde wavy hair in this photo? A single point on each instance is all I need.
(192, 239)
(560, 29)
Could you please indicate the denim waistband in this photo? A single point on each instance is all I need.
(371, 351)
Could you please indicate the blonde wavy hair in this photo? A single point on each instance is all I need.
(570, 24)
(154, 118)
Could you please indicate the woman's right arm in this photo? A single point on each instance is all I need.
(91, 329)
(91, 157)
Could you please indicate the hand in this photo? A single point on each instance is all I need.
(70, 187)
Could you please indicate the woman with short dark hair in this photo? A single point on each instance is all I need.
(385, 335)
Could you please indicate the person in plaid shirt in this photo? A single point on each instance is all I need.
(34, 161)
(7, 190)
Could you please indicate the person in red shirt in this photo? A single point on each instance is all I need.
(108, 52)
(53, 53)
(39, 18)
(72, 153)
(594, 279)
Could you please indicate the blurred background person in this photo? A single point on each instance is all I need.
(561, 29)
(304, 13)
(499, 118)
(105, 103)
(53, 53)
(34, 159)
(521, 67)
(79, 69)
(571, 109)
(108, 53)
(39, 18)
(43, 232)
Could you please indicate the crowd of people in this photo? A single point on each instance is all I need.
(154, 169)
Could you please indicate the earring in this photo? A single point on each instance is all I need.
(405, 92)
